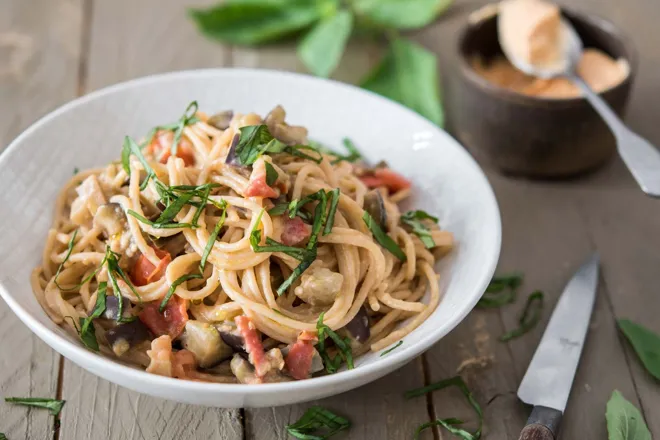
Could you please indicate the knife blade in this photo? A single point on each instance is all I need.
(549, 377)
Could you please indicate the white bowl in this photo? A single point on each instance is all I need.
(89, 131)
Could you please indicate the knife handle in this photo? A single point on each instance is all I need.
(542, 424)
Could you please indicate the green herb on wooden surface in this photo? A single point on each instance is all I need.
(646, 345)
(317, 424)
(624, 421)
(531, 316)
(52, 405)
(501, 291)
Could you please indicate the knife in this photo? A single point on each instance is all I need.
(547, 382)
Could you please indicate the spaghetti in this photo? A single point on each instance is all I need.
(231, 249)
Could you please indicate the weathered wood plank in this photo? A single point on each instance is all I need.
(377, 410)
(131, 39)
(39, 53)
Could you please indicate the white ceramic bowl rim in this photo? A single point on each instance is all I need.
(397, 357)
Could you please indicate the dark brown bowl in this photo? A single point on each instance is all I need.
(531, 136)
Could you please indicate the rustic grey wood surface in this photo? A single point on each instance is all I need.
(54, 50)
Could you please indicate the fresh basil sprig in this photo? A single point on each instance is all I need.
(256, 140)
(646, 345)
(318, 424)
(531, 316)
(407, 73)
(414, 220)
(624, 421)
(382, 238)
(343, 347)
(52, 405)
(458, 382)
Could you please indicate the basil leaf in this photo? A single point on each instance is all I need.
(214, 235)
(175, 284)
(188, 118)
(254, 141)
(257, 22)
(323, 46)
(531, 316)
(98, 310)
(502, 290)
(159, 225)
(414, 220)
(402, 14)
(449, 425)
(89, 337)
(389, 350)
(317, 424)
(458, 382)
(382, 238)
(297, 272)
(53, 405)
(624, 421)
(69, 249)
(278, 209)
(343, 347)
(646, 345)
(334, 202)
(3, 436)
(271, 174)
(408, 74)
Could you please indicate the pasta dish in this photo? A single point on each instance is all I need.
(230, 248)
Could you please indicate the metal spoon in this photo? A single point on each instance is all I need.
(641, 158)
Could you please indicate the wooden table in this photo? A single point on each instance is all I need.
(54, 50)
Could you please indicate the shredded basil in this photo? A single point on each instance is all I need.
(502, 290)
(353, 153)
(256, 140)
(214, 235)
(66, 258)
(131, 147)
(98, 310)
(271, 174)
(389, 350)
(449, 425)
(414, 220)
(343, 347)
(113, 271)
(458, 382)
(334, 202)
(382, 238)
(188, 118)
(278, 209)
(530, 317)
(317, 424)
(175, 284)
(3, 436)
(76, 170)
(159, 225)
(52, 405)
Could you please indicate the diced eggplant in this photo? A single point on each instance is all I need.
(112, 307)
(289, 134)
(111, 218)
(232, 158)
(375, 206)
(244, 372)
(358, 328)
(205, 343)
(231, 336)
(221, 120)
(126, 335)
(174, 244)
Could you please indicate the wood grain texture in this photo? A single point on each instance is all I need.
(377, 410)
(39, 53)
(101, 410)
(128, 40)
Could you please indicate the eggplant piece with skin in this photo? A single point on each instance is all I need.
(375, 206)
(232, 158)
(221, 120)
(244, 372)
(112, 307)
(126, 335)
(174, 244)
(231, 336)
(358, 329)
(204, 342)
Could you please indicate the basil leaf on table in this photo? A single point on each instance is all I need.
(408, 74)
(323, 46)
(624, 421)
(646, 345)
(256, 22)
(402, 14)
(52, 405)
(531, 316)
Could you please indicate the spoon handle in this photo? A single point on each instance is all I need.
(641, 158)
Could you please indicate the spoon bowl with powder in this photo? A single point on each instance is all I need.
(539, 42)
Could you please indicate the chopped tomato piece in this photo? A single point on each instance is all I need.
(171, 322)
(385, 177)
(253, 345)
(161, 148)
(295, 232)
(299, 359)
(144, 272)
(259, 188)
